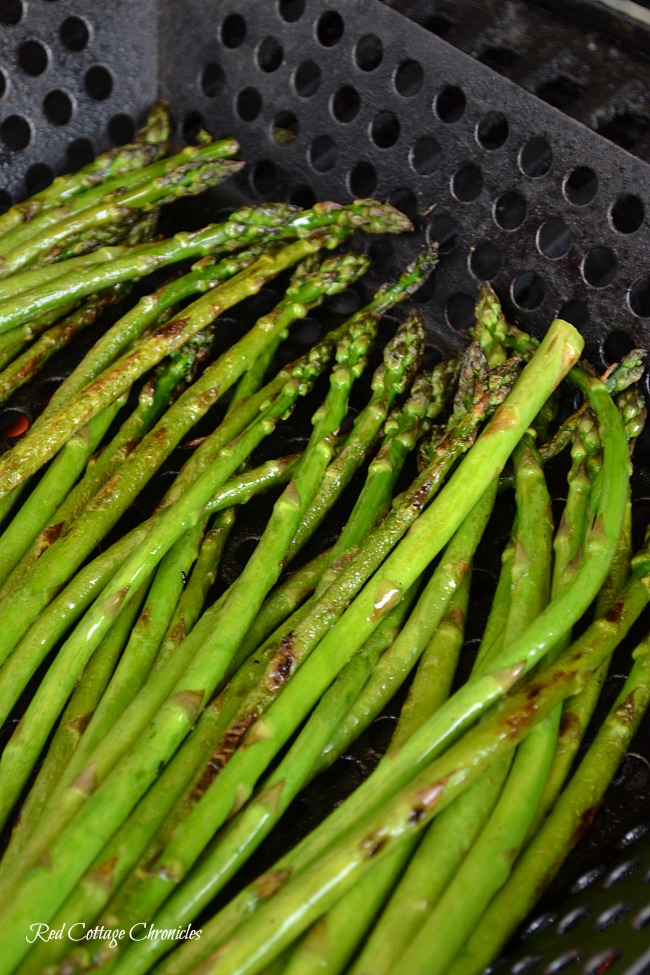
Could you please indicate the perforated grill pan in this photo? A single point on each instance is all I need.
(348, 98)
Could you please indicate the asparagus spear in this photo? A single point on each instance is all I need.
(24, 367)
(358, 622)
(577, 712)
(149, 145)
(141, 463)
(254, 824)
(270, 553)
(302, 896)
(575, 808)
(333, 940)
(231, 235)
(52, 504)
(30, 453)
(111, 201)
(22, 750)
(449, 717)
(338, 587)
(73, 723)
(437, 861)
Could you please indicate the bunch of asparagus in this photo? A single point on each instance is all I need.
(167, 722)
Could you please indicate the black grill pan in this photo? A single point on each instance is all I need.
(348, 98)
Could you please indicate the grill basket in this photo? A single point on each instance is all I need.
(347, 98)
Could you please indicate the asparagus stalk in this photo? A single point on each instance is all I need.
(251, 825)
(53, 505)
(241, 605)
(576, 713)
(312, 678)
(30, 453)
(29, 364)
(299, 897)
(231, 235)
(330, 944)
(54, 566)
(307, 368)
(110, 202)
(73, 723)
(402, 356)
(338, 587)
(452, 716)
(150, 144)
(574, 810)
(23, 749)
(433, 872)
(52, 489)
(255, 822)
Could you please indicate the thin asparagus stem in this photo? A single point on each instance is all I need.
(150, 144)
(58, 563)
(299, 897)
(574, 810)
(110, 202)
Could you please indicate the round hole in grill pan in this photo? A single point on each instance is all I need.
(3, 83)
(639, 297)
(485, 261)
(192, 124)
(212, 79)
(536, 157)
(467, 183)
(285, 128)
(443, 231)
(79, 153)
(5, 201)
(307, 78)
(450, 104)
(573, 919)
(426, 155)
(642, 919)
(528, 290)
(362, 180)
(16, 132)
(345, 104)
(627, 213)
(616, 345)
(492, 131)
(406, 201)
(368, 52)
(249, 104)
(98, 82)
(409, 77)
(38, 177)
(581, 185)
(329, 29)
(11, 12)
(459, 311)
(291, 10)
(270, 54)
(554, 238)
(385, 129)
(33, 58)
(74, 33)
(510, 210)
(323, 153)
(233, 31)
(599, 267)
(302, 196)
(57, 107)
(121, 129)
